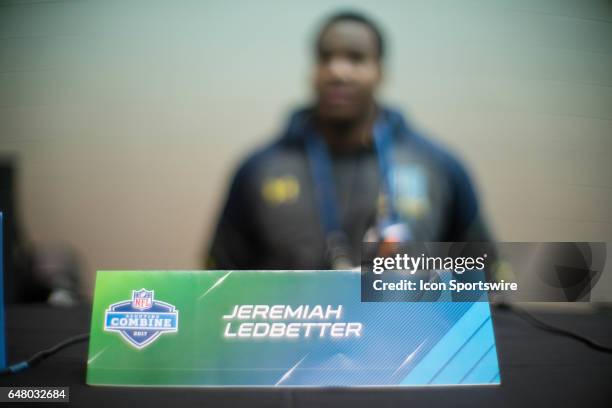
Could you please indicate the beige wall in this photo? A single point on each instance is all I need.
(128, 117)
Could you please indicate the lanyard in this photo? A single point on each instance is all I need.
(383, 138)
(325, 191)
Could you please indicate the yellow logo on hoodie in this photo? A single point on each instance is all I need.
(280, 190)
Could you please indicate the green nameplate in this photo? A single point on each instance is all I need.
(279, 328)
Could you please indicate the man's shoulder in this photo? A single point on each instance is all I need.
(433, 151)
(275, 158)
(437, 155)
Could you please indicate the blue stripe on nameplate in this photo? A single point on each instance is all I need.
(438, 365)
(486, 370)
(467, 356)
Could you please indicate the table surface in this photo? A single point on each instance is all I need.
(537, 369)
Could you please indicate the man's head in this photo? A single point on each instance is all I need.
(348, 70)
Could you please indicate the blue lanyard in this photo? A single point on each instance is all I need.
(383, 140)
(325, 190)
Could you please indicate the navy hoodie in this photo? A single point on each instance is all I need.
(271, 219)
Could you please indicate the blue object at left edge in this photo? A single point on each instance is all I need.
(2, 330)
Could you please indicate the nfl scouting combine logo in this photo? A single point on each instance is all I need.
(141, 320)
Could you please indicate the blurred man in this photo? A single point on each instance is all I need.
(345, 170)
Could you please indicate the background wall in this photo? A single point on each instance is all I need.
(129, 116)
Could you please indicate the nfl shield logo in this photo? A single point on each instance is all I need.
(141, 319)
(142, 299)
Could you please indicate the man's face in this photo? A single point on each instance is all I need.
(347, 72)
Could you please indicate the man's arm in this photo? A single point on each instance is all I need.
(467, 223)
(234, 244)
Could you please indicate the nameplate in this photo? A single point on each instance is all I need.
(279, 329)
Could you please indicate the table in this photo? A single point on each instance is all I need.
(537, 369)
